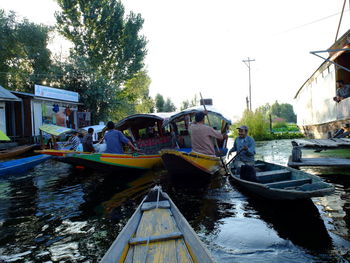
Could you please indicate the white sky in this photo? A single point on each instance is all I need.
(198, 45)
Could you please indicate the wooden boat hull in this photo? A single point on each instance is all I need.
(114, 162)
(22, 165)
(59, 153)
(157, 232)
(284, 183)
(9, 153)
(182, 163)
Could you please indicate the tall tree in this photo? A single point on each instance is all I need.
(24, 56)
(102, 33)
(159, 100)
(169, 106)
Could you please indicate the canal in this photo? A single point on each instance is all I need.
(58, 213)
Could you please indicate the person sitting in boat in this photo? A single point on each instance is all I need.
(202, 135)
(114, 140)
(244, 145)
(343, 91)
(74, 141)
(88, 141)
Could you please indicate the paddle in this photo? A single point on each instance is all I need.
(234, 157)
(215, 142)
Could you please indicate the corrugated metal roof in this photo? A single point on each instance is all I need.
(6, 95)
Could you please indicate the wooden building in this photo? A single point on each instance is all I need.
(318, 115)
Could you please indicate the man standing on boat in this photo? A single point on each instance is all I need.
(114, 140)
(244, 145)
(88, 141)
(202, 135)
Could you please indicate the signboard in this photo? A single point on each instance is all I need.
(53, 93)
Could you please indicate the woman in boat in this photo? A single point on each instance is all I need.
(202, 135)
(114, 140)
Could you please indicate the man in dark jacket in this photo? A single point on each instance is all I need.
(88, 142)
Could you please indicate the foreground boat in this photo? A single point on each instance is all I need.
(157, 232)
(15, 151)
(180, 162)
(114, 162)
(23, 164)
(283, 183)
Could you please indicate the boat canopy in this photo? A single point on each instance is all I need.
(97, 128)
(140, 121)
(54, 129)
(191, 111)
(3, 137)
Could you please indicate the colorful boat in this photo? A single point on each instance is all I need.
(183, 161)
(15, 151)
(23, 164)
(278, 182)
(114, 162)
(180, 162)
(157, 232)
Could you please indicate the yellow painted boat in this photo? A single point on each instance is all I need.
(157, 232)
(114, 162)
(183, 163)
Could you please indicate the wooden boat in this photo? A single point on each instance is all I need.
(157, 232)
(183, 161)
(283, 183)
(23, 164)
(180, 162)
(12, 152)
(114, 162)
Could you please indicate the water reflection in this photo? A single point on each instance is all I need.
(60, 214)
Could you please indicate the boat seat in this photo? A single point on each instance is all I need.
(164, 237)
(259, 165)
(151, 205)
(289, 183)
(274, 175)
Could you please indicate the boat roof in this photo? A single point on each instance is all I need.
(339, 44)
(54, 129)
(6, 95)
(142, 120)
(193, 110)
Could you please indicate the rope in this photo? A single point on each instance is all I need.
(158, 197)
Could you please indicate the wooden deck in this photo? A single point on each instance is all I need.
(322, 143)
(326, 162)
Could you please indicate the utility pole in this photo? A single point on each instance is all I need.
(247, 63)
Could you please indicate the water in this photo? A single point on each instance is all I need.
(56, 213)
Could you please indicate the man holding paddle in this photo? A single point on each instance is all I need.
(244, 145)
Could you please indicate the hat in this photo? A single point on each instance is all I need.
(243, 127)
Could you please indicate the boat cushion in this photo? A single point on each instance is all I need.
(289, 183)
(248, 173)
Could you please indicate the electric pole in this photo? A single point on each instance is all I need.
(247, 63)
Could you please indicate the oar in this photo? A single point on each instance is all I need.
(215, 142)
(234, 157)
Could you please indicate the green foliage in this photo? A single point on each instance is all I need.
(169, 106)
(159, 101)
(279, 124)
(24, 56)
(189, 103)
(256, 122)
(284, 111)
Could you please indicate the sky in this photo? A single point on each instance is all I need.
(198, 46)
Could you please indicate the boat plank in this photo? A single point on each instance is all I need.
(289, 183)
(327, 161)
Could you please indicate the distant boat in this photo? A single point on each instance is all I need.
(318, 115)
(183, 161)
(15, 151)
(23, 164)
(157, 232)
(283, 183)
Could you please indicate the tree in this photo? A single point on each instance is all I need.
(24, 56)
(284, 110)
(187, 104)
(159, 101)
(169, 106)
(100, 32)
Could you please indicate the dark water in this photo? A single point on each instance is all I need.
(57, 213)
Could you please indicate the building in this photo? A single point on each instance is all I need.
(318, 115)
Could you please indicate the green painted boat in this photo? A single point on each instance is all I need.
(278, 182)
